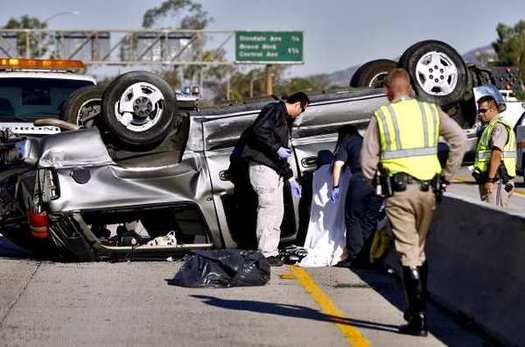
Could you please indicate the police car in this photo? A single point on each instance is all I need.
(31, 89)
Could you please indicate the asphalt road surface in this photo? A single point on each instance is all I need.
(465, 186)
(131, 304)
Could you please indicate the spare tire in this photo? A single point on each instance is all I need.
(372, 74)
(138, 109)
(438, 72)
(83, 106)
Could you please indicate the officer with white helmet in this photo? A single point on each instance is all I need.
(495, 163)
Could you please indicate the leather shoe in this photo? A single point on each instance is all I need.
(344, 263)
(274, 261)
(416, 326)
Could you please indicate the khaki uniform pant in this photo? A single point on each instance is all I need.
(498, 197)
(270, 208)
(410, 213)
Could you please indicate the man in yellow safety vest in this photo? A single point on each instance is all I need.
(402, 140)
(495, 164)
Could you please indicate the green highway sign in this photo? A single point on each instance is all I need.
(269, 47)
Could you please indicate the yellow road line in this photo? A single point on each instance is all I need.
(354, 337)
(458, 179)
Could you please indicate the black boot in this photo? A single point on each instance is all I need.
(423, 274)
(415, 296)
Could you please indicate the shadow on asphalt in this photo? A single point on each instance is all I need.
(11, 250)
(451, 329)
(293, 311)
(467, 183)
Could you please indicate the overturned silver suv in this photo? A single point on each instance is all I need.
(68, 192)
(149, 175)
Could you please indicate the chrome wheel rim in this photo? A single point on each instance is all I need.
(378, 80)
(140, 107)
(436, 73)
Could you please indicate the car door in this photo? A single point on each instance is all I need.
(221, 132)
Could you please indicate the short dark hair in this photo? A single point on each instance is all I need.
(489, 99)
(324, 157)
(344, 132)
(298, 97)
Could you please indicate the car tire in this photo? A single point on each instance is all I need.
(481, 76)
(372, 74)
(83, 107)
(437, 71)
(138, 109)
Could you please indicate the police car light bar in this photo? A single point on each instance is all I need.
(40, 64)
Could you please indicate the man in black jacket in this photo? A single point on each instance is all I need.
(264, 146)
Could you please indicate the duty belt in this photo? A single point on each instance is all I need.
(399, 182)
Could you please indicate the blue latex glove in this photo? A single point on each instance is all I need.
(334, 196)
(295, 188)
(284, 153)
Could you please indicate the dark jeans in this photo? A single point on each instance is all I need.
(361, 213)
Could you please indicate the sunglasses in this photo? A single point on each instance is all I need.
(483, 110)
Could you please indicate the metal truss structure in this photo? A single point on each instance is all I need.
(122, 47)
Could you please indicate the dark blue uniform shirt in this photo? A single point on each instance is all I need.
(350, 152)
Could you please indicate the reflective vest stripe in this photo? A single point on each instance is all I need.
(388, 135)
(484, 150)
(408, 137)
(425, 122)
(393, 117)
(485, 155)
(435, 117)
(405, 153)
(385, 127)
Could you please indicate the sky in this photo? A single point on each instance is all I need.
(337, 33)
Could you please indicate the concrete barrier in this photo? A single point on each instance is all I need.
(476, 262)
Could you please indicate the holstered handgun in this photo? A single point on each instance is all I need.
(479, 177)
(382, 182)
(505, 178)
(439, 186)
(503, 174)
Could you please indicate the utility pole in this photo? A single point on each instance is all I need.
(28, 48)
(181, 77)
(228, 86)
(269, 79)
(201, 81)
(253, 78)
